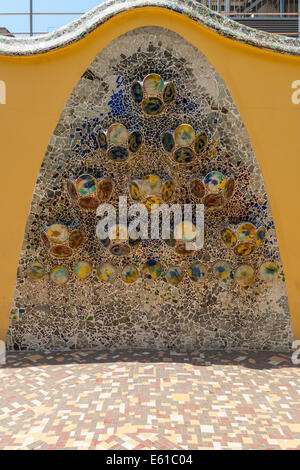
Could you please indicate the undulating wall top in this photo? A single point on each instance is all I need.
(79, 28)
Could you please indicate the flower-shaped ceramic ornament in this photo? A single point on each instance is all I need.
(184, 144)
(151, 190)
(118, 143)
(119, 242)
(88, 193)
(60, 241)
(213, 190)
(153, 94)
(244, 239)
(185, 238)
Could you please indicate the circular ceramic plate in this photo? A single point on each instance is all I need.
(117, 135)
(169, 93)
(151, 185)
(129, 274)
(260, 235)
(222, 270)
(200, 142)
(174, 275)
(153, 84)
(118, 154)
(105, 188)
(185, 231)
(197, 188)
(152, 269)
(246, 232)
(61, 251)
(76, 238)
(167, 190)
(168, 142)
(102, 140)
(152, 106)
(229, 238)
(244, 249)
(36, 271)
(59, 275)
(184, 155)
(184, 135)
(215, 182)
(213, 201)
(120, 249)
(83, 270)
(268, 271)
(197, 272)
(58, 233)
(152, 203)
(106, 272)
(134, 191)
(135, 141)
(89, 203)
(137, 92)
(86, 185)
(244, 275)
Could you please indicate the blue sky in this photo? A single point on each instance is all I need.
(42, 23)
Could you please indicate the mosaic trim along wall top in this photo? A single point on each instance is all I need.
(150, 119)
(82, 26)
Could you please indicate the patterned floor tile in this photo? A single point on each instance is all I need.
(149, 400)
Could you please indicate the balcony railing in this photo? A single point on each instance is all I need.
(253, 6)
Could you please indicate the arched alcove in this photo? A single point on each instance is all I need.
(231, 294)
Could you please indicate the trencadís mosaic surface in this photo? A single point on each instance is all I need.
(151, 120)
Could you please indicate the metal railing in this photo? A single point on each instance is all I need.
(280, 16)
(251, 7)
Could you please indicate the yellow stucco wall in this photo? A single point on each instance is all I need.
(260, 83)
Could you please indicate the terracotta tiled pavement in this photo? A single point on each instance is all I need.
(149, 400)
